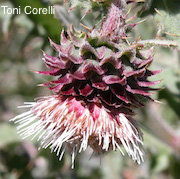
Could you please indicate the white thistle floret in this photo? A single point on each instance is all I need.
(55, 126)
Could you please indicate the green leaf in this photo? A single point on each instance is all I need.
(52, 26)
(162, 163)
(8, 134)
(167, 14)
(170, 23)
(172, 101)
(6, 18)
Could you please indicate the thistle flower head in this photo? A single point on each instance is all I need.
(101, 77)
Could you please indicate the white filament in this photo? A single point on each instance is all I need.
(57, 128)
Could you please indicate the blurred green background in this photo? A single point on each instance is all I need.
(21, 39)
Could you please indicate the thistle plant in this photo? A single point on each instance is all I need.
(100, 78)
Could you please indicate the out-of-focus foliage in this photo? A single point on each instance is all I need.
(167, 15)
(22, 37)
